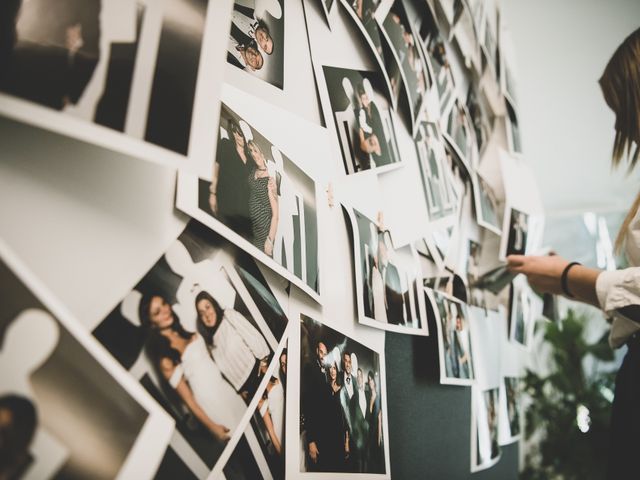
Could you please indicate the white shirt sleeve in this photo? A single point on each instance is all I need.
(252, 337)
(618, 294)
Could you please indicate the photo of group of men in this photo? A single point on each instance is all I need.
(341, 407)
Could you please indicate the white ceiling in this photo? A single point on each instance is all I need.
(561, 49)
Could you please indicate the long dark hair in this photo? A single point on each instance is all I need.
(157, 345)
(208, 332)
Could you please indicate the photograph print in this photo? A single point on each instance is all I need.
(439, 191)
(406, 54)
(363, 120)
(67, 410)
(460, 135)
(485, 448)
(486, 205)
(516, 226)
(199, 332)
(454, 343)
(92, 59)
(388, 279)
(513, 130)
(260, 195)
(259, 455)
(510, 410)
(363, 13)
(520, 312)
(256, 39)
(342, 403)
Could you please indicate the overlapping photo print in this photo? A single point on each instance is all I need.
(256, 39)
(362, 118)
(258, 198)
(342, 407)
(67, 410)
(388, 279)
(454, 344)
(199, 332)
(107, 62)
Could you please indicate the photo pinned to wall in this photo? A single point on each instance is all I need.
(486, 205)
(521, 314)
(109, 66)
(454, 343)
(508, 82)
(432, 42)
(515, 232)
(257, 197)
(513, 130)
(68, 409)
(342, 407)
(465, 33)
(406, 55)
(485, 448)
(481, 116)
(451, 10)
(199, 331)
(256, 39)
(440, 193)
(510, 410)
(488, 35)
(259, 454)
(363, 13)
(362, 118)
(388, 279)
(458, 131)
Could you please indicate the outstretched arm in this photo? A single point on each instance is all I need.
(544, 273)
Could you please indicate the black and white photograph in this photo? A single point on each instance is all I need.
(108, 63)
(515, 233)
(454, 343)
(199, 331)
(68, 410)
(258, 198)
(510, 410)
(486, 205)
(363, 13)
(260, 452)
(256, 39)
(388, 279)
(406, 54)
(520, 312)
(342, 407)
(485, 450)
(439, 190)
(459, 132)
(480, 114)
(362, 118)
(513, 130)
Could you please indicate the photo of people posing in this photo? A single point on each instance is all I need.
(460, 134)
(262, 196)
(362, 118)
(520, 312)
(510, 409)
(435, 50)
(256, 39)
(439, 191)
(66, 410)
(485, 413)
(90, 58)
(388, 279)
(191, 332)
(406, 55)
(517, 230)
(342, 410)
(486, 205)
(260, 453)
(454, 345)
(513, 130)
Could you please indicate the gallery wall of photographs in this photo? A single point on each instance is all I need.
(212, 214)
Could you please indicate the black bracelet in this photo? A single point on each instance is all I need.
(564, 279)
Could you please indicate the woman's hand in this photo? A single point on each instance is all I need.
(219, 431)
(543, 272)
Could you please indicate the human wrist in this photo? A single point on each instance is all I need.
(564, 279)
